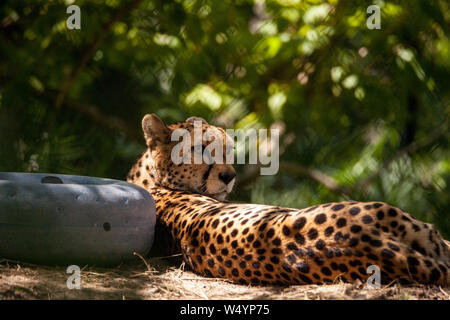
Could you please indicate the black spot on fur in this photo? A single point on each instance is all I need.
(329, 231)
(276, 242)
(305, 279)
(413, 261)
(342, 222)
(387, 253)
(435, 275)
(353, 242)
(392, 212)
(337, 207)
(310, 252)
(338, 236)
(380, 215)
(367, 219)
(299, 223)
(320, 218)
(291, 259)
(302, 267)
(343, 267)
(300, 239)
(320, 244)
(312, 234)
(286, 231)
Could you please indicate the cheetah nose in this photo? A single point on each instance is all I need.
(226, 177)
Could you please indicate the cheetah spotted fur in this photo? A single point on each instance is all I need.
(261, 244)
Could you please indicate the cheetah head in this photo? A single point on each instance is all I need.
(166, 148)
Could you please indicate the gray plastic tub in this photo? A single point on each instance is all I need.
(73, 220)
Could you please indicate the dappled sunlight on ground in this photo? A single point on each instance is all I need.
(160, 280)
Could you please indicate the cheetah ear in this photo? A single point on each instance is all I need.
(154, 129)
(193, 119)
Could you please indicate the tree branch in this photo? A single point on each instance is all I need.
(411, 148)
(95, 114)
(316, 175)
(293, 168)
(90, 50)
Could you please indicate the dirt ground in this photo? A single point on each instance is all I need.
(159, 279)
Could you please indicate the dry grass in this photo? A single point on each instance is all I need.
(158, 279)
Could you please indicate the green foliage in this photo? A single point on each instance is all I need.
(369, 109)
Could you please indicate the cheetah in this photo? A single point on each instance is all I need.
(261, 244)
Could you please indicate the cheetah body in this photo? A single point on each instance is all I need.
(261, 244)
